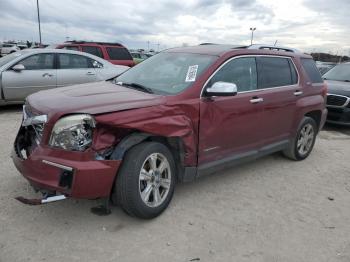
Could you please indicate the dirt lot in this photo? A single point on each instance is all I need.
(270, 210)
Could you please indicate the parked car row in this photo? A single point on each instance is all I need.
(7, 48)
(28, 71)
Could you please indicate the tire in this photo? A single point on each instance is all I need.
(301, 146)
(145, 194)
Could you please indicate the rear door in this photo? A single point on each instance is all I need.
(39, 74)
(74, 69)
(119, 56)
(231, 126)
(279, 89)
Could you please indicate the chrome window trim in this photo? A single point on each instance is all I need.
(344, 105)
(256, 90)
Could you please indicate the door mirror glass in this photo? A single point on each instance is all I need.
(18, 67)
(222, 89)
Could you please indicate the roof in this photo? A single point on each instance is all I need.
(208, 49)
(220, 50)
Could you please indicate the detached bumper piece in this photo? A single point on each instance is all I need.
(34, 202)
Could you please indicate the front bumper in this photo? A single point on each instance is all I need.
(74, 174)
(339, 115)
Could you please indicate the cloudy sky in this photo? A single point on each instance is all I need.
(310, 25)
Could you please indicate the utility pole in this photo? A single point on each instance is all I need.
(37, 7)
(251, 39)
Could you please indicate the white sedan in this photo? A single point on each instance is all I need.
(28, 71)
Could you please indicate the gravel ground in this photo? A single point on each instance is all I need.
(269, 210)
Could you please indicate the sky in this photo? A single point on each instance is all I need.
(308, 25)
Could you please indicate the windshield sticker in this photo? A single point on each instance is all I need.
(191, 73)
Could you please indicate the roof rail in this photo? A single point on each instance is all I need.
(92, 42)
(274, 48)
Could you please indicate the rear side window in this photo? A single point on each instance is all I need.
(68, 61)
(275, 72)
(311, 70)
(94, 50)
(117, 53)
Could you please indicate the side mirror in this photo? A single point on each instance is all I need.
(18, 68)
(222, 89)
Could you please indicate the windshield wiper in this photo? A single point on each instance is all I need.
(137, 86)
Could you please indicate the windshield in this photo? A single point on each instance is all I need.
(4, 60)
(167, 73)
(338, 73)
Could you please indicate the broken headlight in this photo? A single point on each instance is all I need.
(73, 132)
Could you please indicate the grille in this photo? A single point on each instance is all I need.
(334, 100)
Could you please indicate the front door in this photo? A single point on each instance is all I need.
(231, 125)
(38, 74)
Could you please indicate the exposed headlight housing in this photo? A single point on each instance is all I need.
(73, 132)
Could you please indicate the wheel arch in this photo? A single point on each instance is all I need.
(315, 115)
(174, 144)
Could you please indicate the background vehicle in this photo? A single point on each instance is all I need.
(338, 99)
(178, 115)
(8, 49)
(324, 67)
(28, 71)
(139, 57)
(113, 52)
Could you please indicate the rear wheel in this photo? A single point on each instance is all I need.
(302, 145)
(145, 183)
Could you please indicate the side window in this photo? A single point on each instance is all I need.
(274, 72)
(311, 70)
(240, 71)
(74, 48)
(38, 62)
(69, 61)
(118, 53)
(94, 50)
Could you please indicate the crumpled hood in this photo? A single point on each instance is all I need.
(91, 98)
(338, 87)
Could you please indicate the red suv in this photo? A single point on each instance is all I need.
(113, 52)
(178, 115)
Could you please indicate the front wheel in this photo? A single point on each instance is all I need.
(302, 145)
(145, 183)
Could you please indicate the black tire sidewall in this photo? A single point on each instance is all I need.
(306, 120)
(134, 159)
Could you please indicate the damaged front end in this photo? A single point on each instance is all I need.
(57, 165)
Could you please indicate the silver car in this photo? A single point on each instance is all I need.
(29, 71)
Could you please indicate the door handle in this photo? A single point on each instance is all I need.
(90, 73)
(298, 93)
(256, 100)
(47, 75)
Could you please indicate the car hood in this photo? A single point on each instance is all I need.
(92, 98)
(338, 87)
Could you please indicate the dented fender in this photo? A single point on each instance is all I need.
(168, 121)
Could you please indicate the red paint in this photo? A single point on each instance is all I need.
(130, 62)
(209, 128)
